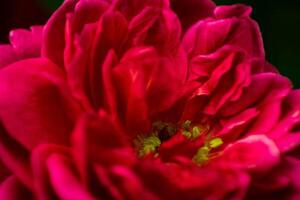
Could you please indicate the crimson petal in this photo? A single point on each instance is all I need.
(40, 111)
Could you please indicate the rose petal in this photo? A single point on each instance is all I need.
(111, 33)
(12, 189)
(54, 33)
(40, 111)
(286, 132)
(7, 55)
(4, 172)
(233, 127)
(192, 182)
(277, 85)
(209, 35)
(143, 92)
(27, 44)
(156, 27)
(256, 153)
(131, 185)
(238, 10)
(64, 180)
(42, 186)
(94, 134)
(15, 157)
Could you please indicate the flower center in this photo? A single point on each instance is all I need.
(161, 132)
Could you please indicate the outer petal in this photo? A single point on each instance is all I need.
(27, 44)
(286, 132)
(40, 111)
(237, 10)
(234, 28)
(256, 153)
(24, 44)
(221, 77)
(7, 55)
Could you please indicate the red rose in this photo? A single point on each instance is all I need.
(130, 99)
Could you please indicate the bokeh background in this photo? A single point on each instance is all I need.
(279, 22)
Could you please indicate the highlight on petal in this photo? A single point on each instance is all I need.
(256, 153)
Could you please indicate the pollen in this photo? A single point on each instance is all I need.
(193, 132)
(204, 153)
(148, 145)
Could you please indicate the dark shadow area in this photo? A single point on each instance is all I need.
(23, 14)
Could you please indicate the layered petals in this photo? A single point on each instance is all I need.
(153, 99)
(230, 25)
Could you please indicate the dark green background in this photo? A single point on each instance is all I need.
(279, 21)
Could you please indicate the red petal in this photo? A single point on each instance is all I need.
(35, 106)
(7, 55)
(54, 33)
(256, 153)
(16, 158)
(12, 189)
(63, 179)
(27, 44)
(209, 35)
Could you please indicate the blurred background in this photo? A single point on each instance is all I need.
(279, 22)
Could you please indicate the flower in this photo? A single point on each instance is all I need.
(130, 99)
